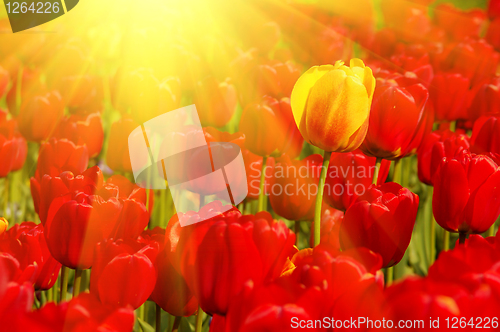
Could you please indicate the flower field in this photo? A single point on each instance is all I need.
(369, 138)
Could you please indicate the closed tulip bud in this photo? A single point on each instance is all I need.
(133, 262)
(331, 105)
(397, 116)
(466, 197)
(82, 130)
(435, 146)
(294, 187)
(27, 244)
(485, 100)
(117, 155)
(449, 94)
(3, 225)
(13, 147)
(83, 94)
(382, 220)
(486, 135)
(349, 176)
(215, 101)
(269, 128)
(60, 155)
(39, 116)
(214, 135)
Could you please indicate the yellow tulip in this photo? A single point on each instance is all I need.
(3, 225)
(331, 105)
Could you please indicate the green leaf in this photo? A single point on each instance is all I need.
(145, 326)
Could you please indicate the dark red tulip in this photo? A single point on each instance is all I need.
(275, 119)
(82, 313)
(382, 220)
(57, 156)
(171, 291)
(435, 146)
(82, 130)
(349, 176)
(215, 101)
(131, 260)
(486, 135)
(466, 198)
(39, 115)
(231, 250)
(13, 147)
(26, 243)
(293, 188)
(396, 120)
(449, 94)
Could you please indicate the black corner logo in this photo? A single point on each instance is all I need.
(31, 13)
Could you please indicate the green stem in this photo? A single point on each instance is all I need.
(158, 318)
(491, 231)
(55, 289)
(446, 240)
(77, 283)
(432, 230)
(43, 298)
(261, 186)
(50, 294)
(319, 198)
(297, 232)
(199, 320)
(453, 125)
(389, 276)
(177, 323)
(396, 177)
(377, 170)
(64, 283)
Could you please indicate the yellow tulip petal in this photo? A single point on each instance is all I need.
(302, 88)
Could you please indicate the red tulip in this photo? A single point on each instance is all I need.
(117, 156)
(171, 291)
(215, 102)
(13, 147)
(275, 119)
(459, 24)
(486, 135)
(57, 156)
(492, 33)
(486, 100)
(331, 220)
(214, 135)
(408, 20)
(449, 94)
(231, 250)
(474, 59)
(493, 9)
(253, 170)
(133, 262)
(466, 198)
(396, 120)
(39, 115)
(83, 94)
(435, 146)
(27, 244)
(293, 188)
(382, 220)
(349, 176)
(82, 313)
(82, 130)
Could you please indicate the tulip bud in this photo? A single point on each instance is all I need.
(449, 92)
(215, 102)
(382, 220)
(466, 197)
(82, 130)
(13, 147)
(486, 135)
(118, 156)
(486, 100)
(331, 105)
